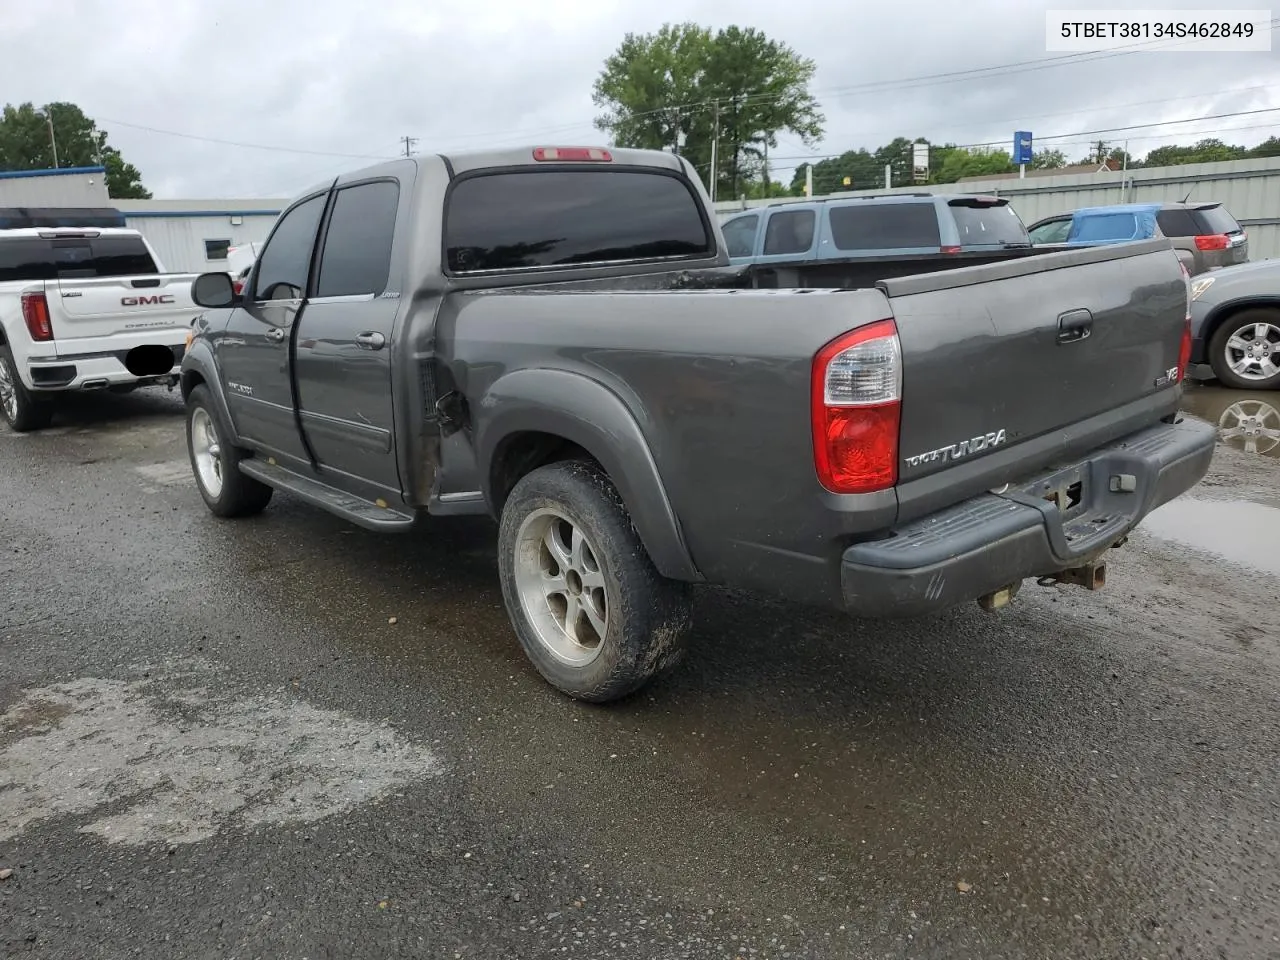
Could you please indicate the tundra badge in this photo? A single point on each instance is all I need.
(955, 451)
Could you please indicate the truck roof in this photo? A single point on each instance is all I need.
(467, 161)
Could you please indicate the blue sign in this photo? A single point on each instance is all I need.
(1022, 146)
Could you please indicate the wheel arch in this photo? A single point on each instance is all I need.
(533, 417)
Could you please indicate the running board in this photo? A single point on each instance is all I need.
(371, 516)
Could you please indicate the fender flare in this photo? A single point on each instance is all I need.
(589, 414)
(198, 361)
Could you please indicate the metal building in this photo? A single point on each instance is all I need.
(69, 187)
(192, 236)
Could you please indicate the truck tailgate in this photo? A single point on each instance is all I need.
(107, 306)
(998, 355)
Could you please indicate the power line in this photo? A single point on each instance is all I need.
(236, 143)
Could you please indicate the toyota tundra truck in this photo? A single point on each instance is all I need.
(554, 337)
(84, 309)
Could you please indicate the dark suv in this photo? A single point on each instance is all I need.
(1205, 235)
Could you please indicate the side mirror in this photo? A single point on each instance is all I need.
(214, 290)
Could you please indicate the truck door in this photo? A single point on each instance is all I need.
(254, 350)
(343, 351)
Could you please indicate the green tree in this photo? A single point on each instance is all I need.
(961, 162)
(25, 144)
(684, 84)
(1048, 159)
(1210, 150)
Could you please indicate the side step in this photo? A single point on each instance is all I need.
(360, 512)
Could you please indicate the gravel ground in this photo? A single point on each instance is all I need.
(214, 743)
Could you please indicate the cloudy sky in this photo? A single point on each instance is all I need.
(303, 90)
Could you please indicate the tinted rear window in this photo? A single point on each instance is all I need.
(789, 232)
(33, 258)
(885, 226)
(988, 224)
(547, 218)
(1216, 220)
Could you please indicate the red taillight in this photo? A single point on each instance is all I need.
(1184, 347)
(572, 154)
(1184, 351)
(1214, 241)
(856, 409)
(950, 249)
(35, 311)
(237, 286)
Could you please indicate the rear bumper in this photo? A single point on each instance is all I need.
(993, 540)
(90, 371)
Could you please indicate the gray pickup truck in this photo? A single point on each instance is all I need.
(554, 337)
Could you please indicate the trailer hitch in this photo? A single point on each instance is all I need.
(1092, 576)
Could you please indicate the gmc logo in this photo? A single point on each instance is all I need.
(145, 301)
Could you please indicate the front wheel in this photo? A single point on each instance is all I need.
(216, 463)
(1245, 351)
(588, 606)
(22, 411)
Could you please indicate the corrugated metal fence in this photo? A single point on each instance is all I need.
(1250, 189)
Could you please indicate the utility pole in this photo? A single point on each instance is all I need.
(768, 190)
(408, 144)
(53, 141)
(715, 141)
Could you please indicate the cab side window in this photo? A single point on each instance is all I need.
(740, 235)
(357, 244)
(789, 232)
(286, 261)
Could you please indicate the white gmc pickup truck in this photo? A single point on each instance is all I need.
(84, 309)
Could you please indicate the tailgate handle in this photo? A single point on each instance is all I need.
(1074, 326)
(140, 284)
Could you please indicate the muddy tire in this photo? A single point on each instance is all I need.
(22, 410)
(589, 608)
(1245, 351)
(215, 463)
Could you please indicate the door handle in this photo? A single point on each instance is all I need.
(371, 341)
(1074, 326)
(276, 334)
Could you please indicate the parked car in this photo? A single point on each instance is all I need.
(893, 225)
(240, 260)
(1205, 235)
(511, 333)
(1235, 326)
(84, 309)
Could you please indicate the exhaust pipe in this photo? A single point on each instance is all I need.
(93, 384)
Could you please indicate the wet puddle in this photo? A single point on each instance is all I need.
(1235, 530)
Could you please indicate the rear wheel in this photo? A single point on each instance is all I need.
(216, 463)
(21, 410)
(588, 606)
(1245, 351)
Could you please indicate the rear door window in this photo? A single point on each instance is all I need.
(885, 226)
(38, 258)
(357, 243)
(740, 235)
(561, 218)
(987, 223)
(789, 231)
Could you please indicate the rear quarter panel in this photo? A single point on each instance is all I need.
(719, 384)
